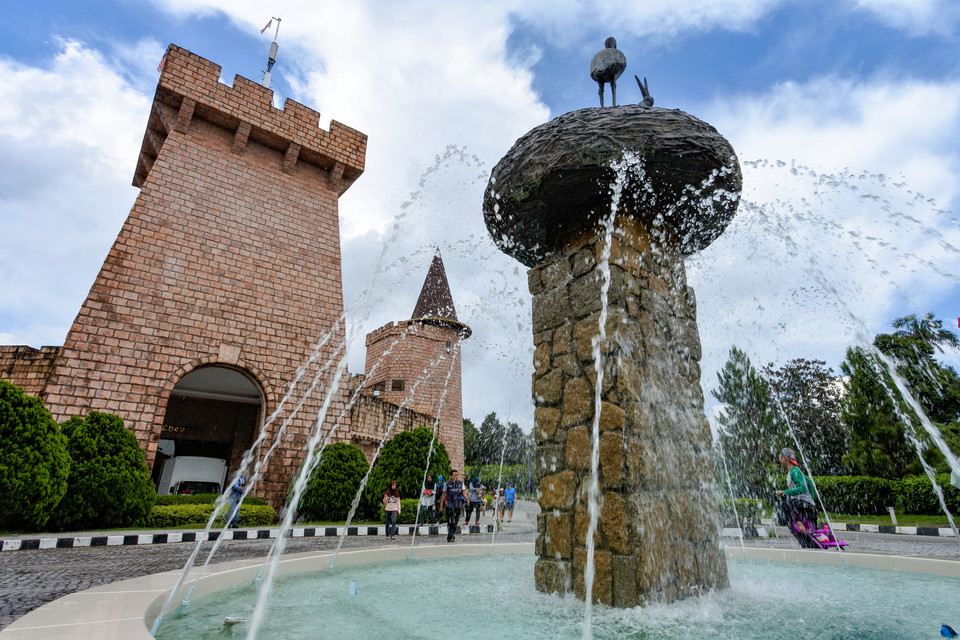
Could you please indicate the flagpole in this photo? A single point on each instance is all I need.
(272, 58)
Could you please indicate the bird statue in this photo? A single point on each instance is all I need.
(607, 66)
(645, 90)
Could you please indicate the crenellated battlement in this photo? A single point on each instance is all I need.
(190, 87)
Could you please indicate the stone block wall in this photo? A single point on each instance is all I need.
(657, 538)
(230, 256)
(418, 355)
(370, 417)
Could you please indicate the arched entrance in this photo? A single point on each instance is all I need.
(213, 413)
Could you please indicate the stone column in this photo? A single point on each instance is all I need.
(657, 533)
(676, 184)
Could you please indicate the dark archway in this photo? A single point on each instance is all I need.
(213, 412)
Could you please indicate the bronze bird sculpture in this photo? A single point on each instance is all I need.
(607, 66)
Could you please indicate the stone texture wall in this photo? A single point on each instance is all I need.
(230, 256)
(413, 351)
(370, 417)
(657, 538)
(26, 367)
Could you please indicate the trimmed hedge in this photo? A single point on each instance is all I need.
(745, 508)
(916, 495)
(201, 498)
(34, 465)
(179, 515)
(863, 495)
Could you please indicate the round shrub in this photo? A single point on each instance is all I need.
(34, 465)
(404, 459)
(109, 484)
(334, 483)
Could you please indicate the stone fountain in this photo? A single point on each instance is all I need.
(547, 205)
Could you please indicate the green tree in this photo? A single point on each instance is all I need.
(34, 464)
(490, 445)
(808, 395)
(926, 329)
(404, 459)
(334, 483)
(880, 421)
(109, 483)
(471, 442)
(750, 434)
(877, 434)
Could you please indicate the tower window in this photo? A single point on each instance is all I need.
(396, 384)
(449, 346)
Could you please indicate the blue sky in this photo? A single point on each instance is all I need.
(845, 116)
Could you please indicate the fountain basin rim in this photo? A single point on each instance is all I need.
(125, 610)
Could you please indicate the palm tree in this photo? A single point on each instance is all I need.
(926, 329)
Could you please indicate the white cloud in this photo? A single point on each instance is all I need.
(846, 219)
(917, 17)
(69, 138)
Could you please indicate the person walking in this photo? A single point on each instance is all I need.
(438, 497)
(509, 497)
(476, 500)
(797, 509)
(454, 495)
(392, 509)
(236, 497)
(427, 501)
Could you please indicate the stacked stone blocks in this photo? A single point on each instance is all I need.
(657, 535)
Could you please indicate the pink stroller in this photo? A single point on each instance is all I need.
(811, 537)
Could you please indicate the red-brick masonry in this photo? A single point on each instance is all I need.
(27, 367)
(417, 353)
(231, 257)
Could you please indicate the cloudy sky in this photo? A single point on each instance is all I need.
(845, 115)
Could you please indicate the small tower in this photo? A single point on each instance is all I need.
(416, 363)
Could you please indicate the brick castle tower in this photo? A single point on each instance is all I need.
(416, 363)
(225, 275)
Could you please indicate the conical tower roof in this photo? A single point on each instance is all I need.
(435, 304)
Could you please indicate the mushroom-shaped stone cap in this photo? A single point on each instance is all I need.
(556, 180)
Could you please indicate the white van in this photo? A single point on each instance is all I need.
(192, 474)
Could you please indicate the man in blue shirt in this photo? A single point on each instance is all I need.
(454, 495)
(510, 496)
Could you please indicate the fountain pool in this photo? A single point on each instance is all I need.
(499, 599)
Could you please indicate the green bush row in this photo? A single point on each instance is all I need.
(179, 515)
(865, 495)
(202, 498)
(856, 494)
